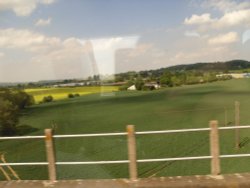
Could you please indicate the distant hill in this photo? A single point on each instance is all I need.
(216, 66)
(230, 66)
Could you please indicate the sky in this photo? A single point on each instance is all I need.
(65, 39)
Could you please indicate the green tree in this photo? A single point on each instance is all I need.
(176, 81)
(8, 117)
(11, 102)
(165, 79)
(22, 99)
(212, 77)
(139, 83)
(17, 97)
(191, 79)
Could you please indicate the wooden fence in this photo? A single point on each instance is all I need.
(131, 142)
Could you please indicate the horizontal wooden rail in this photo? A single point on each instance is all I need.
(124, 161)
(172, 131)
(123, 133)
(234, 156)
(93, 162)
(90, 135)
(21, 137)
(238, 127)
(24, 164)
(173, 159)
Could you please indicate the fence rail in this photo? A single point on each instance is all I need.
(124, 133)
(21, 137)
(132, 160)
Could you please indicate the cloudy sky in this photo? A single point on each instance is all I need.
(59, 39)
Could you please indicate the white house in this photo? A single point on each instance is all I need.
(149, 85)
(153, 85)
(132, 88)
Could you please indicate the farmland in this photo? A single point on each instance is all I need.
(171, 108)
(62, 93)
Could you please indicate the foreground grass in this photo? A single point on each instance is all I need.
(171, 108)
(62, 93)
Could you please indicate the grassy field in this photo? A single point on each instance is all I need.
(172, 108)
(62, 93)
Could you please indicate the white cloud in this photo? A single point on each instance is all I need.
(229, 19)
(67, 52)
(26, 40)
(233, 18)
(197, 20)
(234, 14)
(203, 54)
(42, 22)
(73, 58)
(22, 7)
(69, 49)
(61, 56)
(66, 60)
(80, 58)
(227, 38)
(191, 34)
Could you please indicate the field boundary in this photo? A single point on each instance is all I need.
(131, 143)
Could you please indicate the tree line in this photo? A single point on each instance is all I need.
(171, 79)
(167, 78)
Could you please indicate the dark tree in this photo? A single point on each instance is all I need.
(48, 99)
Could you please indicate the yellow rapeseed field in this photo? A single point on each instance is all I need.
(62, 92)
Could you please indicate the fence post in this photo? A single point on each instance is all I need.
(214, 148)
(50, 154)
(237, 123)
(132, 152)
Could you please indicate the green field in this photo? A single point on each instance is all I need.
(171, 108)
(62, 92)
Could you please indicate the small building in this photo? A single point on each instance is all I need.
(152, 86)
(132, 88)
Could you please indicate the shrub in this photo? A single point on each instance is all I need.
(70, 95)
(48, 99)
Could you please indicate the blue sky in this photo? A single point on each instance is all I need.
(56, 39)
(98, 18)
